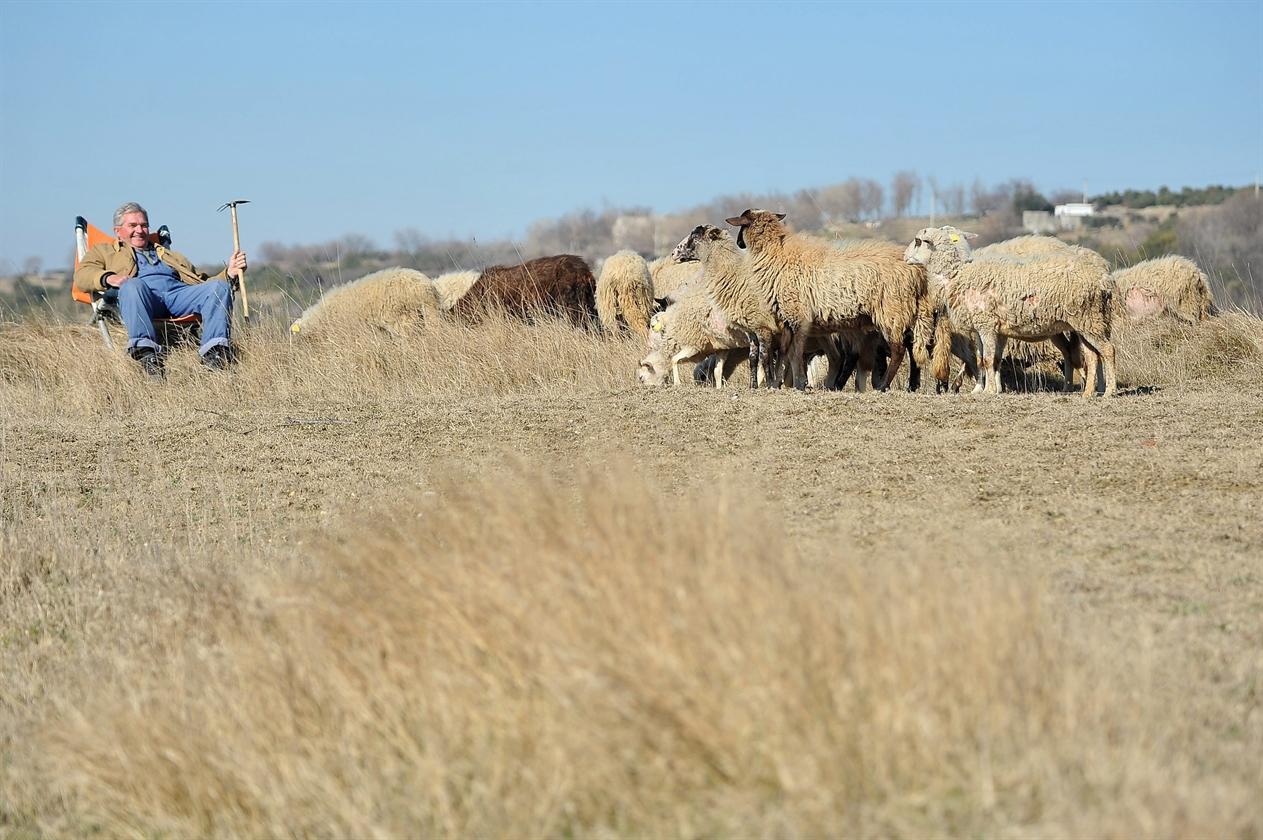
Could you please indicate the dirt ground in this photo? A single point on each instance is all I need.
(1151, 497)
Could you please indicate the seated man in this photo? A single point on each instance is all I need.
(155, 282)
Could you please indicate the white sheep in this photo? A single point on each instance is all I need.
(671, 279)
(1025, 247)
(394, 300)
(693, 329)
(688, 330)
(624, 290)
(1171, 285)
(818, 286)
(451, 287)
(727, 279)
(1000, 297)
(1035, 245)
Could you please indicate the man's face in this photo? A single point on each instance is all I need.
(134, 230)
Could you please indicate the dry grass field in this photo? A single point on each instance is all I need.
(478, 583)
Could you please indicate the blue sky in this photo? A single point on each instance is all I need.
(479, 118)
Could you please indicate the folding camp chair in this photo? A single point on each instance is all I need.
(105, 303)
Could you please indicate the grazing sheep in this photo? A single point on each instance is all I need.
(394, 300)
(693, 329)
(1001, 297)
(672, 278)
(687, 331)
(452, 287)
(825, 287)
(1173, 286)
(625, 290)
(562, 286)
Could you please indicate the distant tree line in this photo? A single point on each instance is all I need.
(1187, 197)
(1228, 240)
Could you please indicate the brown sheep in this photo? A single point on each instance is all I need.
(562, 286)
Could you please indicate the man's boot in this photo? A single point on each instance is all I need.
(149, 359)
(218, 357)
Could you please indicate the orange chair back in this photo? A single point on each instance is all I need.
(95, 237)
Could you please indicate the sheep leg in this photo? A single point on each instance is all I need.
(756, 350)
(998, 355)
(896, 359)
(988, 369)
(769, 355)
(850, 360)
(914, 370)
(963, 349)
(727, 360)
(682, 356)
(1105, 349)
(878, 360)
(1067, 345)
(835, 363)
(793, 350)
(777, 358)
(1088, 357)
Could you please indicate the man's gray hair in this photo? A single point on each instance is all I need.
(129, 207)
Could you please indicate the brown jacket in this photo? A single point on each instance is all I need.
(118, 258)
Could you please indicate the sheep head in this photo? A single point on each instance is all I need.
(654, 368)
(697, 243)
(930, 241)
(757, 219)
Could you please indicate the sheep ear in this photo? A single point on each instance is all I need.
(714, 233)
(737, 221)
(780, 217)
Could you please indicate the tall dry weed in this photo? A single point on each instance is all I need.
(532, 654)
(55, 367)
(1166, 352)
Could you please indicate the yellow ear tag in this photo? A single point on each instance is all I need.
(656, 326)
(294, 327)
(955, 238)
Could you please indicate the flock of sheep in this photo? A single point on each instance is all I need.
(809, 311)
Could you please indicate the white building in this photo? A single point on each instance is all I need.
(1071, 216)
(1075, 209)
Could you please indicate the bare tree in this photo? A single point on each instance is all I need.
(872, 196)
(903, 191)
(803, 210)
(987, 201)
(634, 233)
(356, 244)
(410, 241)
(841, 202)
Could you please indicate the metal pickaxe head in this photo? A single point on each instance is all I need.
(233, 204)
